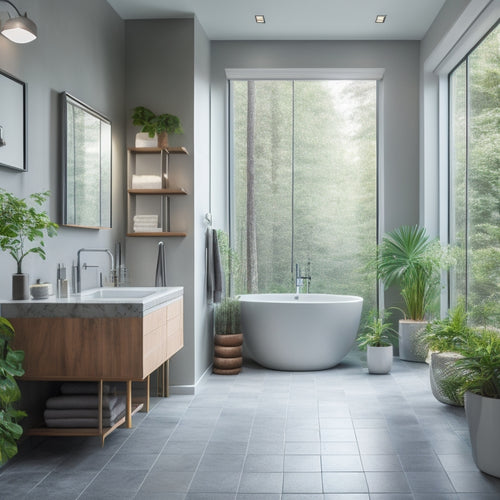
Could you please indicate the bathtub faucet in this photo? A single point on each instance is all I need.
(299, 280)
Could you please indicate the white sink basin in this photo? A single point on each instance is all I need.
(118, 293)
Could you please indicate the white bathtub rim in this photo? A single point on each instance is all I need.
(303, 298)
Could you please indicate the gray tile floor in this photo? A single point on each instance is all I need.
(335, 434)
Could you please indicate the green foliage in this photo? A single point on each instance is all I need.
(155, 124)
(479, 370)
(10, 367)
(377, 331)
(449, 334)
(227, 317)
(409, 257)
(22, 224)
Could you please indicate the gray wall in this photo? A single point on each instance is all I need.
(168, 71)
(80, 49)
(399, 109)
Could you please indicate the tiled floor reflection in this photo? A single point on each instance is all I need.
(336, 434)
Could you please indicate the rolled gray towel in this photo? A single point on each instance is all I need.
(69, 423)
(68, 402)
(85, 413)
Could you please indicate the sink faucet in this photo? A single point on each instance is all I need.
(299, 280)
(79, 266)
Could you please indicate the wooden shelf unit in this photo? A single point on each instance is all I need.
(137, 195)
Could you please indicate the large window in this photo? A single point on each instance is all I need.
(304, 185)
(474, 89)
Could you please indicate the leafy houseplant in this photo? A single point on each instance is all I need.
(409, 257)
(445, 339)
(478, 378)
(228, 338)
(377, 338)
(10, 366)
(22, 227)
(153, 124)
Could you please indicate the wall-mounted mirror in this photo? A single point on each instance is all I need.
(86, 162)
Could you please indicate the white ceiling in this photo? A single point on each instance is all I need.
(294, 19)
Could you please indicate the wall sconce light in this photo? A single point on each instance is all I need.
(18, 29)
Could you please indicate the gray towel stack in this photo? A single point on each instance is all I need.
(77, 407)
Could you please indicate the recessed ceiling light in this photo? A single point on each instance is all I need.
(259, 18)
(380, 18)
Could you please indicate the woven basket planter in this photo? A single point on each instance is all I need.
(441, 367)
(228, 358)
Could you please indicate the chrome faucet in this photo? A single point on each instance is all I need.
(299, 280)
(79, 266)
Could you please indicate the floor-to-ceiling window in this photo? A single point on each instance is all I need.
(474, 90)
(304, 185)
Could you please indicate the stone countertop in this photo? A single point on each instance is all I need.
(85, 305)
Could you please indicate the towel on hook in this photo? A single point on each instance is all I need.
(215, 273)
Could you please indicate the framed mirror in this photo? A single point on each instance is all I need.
(12, 122)
(86, 165)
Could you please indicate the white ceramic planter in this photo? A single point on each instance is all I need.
(483, 418)
(410, 349)
(442, 366)
(142, 140)
(379, 359)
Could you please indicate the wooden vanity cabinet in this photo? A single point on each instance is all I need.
(121, 349)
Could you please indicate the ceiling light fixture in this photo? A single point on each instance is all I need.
(260, 19)
(18, 29)
(380, 18)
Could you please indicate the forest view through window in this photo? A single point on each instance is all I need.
(475, 179)
(304, 185)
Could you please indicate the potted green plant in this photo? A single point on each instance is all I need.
(478, 379)
(11, 366)
(22, 227)
(444, 339)
(377, 337)
(409, 257)
(228, 338)
(153, 125)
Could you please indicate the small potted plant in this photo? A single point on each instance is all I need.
(153, 126)
(444, 339)
(228, 338)
(11, 366)
(478, 378)
(409, 257)
(377, 337)
(22, 228)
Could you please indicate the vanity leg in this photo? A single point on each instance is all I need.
(128, 422)
(148, 386)
(166, 388)
(99, 410)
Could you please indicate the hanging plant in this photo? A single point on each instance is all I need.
(10, 367)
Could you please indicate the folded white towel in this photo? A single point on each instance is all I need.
(146, 223)
(146, 182)
(146, 229)
(146, 218)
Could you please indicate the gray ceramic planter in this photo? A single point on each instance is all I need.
(379, 359)
(483, 418)
(410, 348)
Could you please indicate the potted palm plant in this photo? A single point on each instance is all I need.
(228, 338)
(478, 378)
(153, 125)
(11, 366)
(409, 257)
(377, 337)
(22, 228)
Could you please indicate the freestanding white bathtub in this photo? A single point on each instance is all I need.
(299, 332)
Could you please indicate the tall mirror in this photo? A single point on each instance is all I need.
(86, 161)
